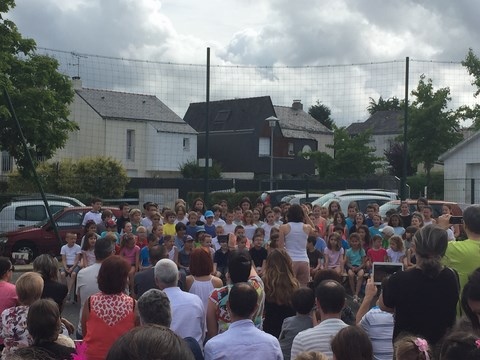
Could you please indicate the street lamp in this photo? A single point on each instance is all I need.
(272, 122)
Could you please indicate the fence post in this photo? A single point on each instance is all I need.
(472, 191)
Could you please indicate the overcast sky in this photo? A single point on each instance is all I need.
(255, 32)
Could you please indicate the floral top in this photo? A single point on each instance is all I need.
(13, 329)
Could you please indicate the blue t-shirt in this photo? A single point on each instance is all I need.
(345, 244)
(355, 256)
(321, 244)
(145, 256)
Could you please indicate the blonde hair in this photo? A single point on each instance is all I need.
(29, 288)
(279, 279)
(311, 355)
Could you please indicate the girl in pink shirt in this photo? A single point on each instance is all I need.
(131, 252)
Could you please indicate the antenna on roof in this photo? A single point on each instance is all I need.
(78, 56)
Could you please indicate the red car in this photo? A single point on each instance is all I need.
(40, 238)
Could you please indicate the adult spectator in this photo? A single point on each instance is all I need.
(280, 284)
(87, 284)
(243, 340)
(293, 237)
(419, 295)
(150, 342)
(13, 321)
(47, 266)
(470, 302)
(463, 255)
(200, 281)
(44, 325)
(352, 343)
(109, 313)
(240, 269)
(188, 313)
(330, 299)
(154, 308)
(378, 324)
(8, 295)
(145, 280)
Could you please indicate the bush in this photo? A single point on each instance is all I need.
(418, 182)
(191, 170)
(233, 199)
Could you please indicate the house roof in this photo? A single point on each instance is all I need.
(295, 122)
(134, 107)
(459, 146)
(247, 113)
(380, 123)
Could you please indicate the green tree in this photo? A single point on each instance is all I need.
(472, 63)
(432, 128)
(321, 113)
(353, 157)
(392, 103)
(39, 93)
(191, 170)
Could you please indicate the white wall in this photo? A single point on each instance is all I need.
(322, 141)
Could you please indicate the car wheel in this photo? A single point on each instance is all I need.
(25, 248)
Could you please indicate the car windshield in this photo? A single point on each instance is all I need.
(44, 221)
(387, 206)
(323, 199)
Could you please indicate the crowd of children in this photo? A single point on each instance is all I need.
(199, 242)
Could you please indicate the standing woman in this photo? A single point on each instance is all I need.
(8, 295)
(280, 283)
(293, 237)
(424, 297)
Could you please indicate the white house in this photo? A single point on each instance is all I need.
(462, 171)
(138, 130)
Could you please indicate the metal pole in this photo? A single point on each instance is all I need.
(29, 157)
(271, 157)
(403, 183)
(207, 105)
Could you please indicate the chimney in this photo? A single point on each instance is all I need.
(77, 83)
(297, 105)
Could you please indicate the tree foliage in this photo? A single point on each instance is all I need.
(395, 157)
(99, 176)
(432, 128)
(322, 113)
(472, 63)
(392, 103)
(353, 157)
(192, 170)
(39, 93)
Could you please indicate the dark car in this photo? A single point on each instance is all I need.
(41, 239)
(274, 197)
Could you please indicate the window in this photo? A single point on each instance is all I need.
(131, 145)
(30, 213)
(264, 147)
(7, 162)
(290, 149)
(186, 144)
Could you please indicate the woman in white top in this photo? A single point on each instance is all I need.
(293, 236)
(200, 281)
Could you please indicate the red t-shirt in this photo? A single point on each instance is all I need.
(377, 255)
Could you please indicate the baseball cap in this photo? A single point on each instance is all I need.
(208, 213)
(189, 238)
(387, 230)
(200, 228)
(111, 223)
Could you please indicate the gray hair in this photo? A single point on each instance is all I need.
(166, 273)
(431, 243)
(154, 308)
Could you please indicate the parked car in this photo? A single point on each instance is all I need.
(361, 200)
(19, 214)
(392, 195)
(41, 239)
(274, 197)
(36, 196)
(412, 204)
(302, 198)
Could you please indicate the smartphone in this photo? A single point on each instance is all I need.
(456, 220)
(380, 270)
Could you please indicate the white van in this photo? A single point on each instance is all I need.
(322, 201)
(19, 214)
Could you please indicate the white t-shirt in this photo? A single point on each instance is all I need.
(95, 216)
(70, 253)
(87, 285)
